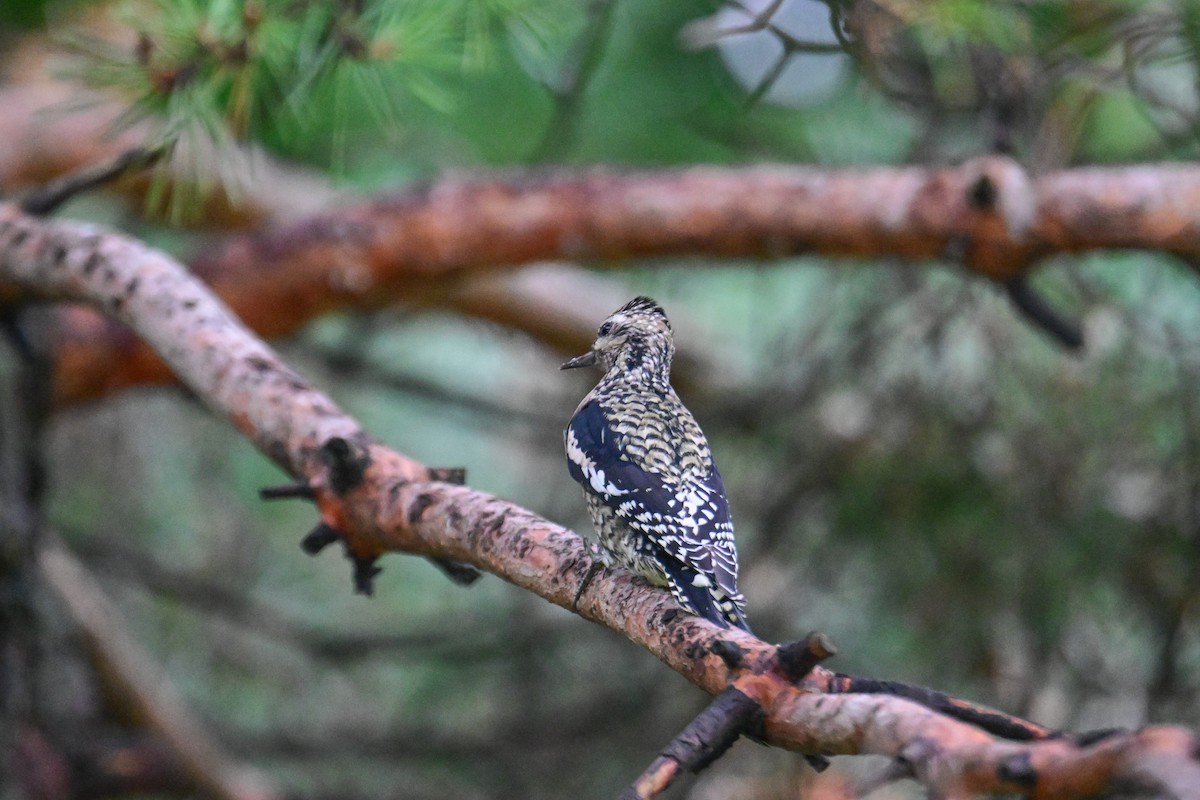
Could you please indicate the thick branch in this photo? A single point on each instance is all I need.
(420, 246)
(987, 214)
(391, 506)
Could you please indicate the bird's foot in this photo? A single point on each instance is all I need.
(596, 564)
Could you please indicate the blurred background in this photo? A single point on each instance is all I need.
(913, 469)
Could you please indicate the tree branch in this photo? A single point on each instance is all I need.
(387, 503)
(419, 246)
(50, 196)
(131, 671)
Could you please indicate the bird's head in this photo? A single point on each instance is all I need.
(636, 337)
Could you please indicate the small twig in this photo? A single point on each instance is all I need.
(289, 491)
(318, 539)
(703, 741)
(459, 573)
(994, 722)
(365, 572)
(705, 32)
(580, 67)
(797, 659)
(48, 197)
(1035, 308)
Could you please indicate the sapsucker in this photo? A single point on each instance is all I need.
(648, 477)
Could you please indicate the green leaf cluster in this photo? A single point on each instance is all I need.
(272, 70)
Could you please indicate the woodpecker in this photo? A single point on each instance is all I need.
(654, 494)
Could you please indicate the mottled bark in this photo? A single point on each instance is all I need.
(389, 504)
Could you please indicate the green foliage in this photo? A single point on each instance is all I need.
(311, 79)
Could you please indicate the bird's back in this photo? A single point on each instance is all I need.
(655, 430)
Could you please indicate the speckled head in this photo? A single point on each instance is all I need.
(637, 337)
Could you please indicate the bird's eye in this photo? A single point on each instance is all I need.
(606, 329)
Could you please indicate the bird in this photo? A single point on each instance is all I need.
(654, 494)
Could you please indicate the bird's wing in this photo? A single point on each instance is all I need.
(689, 520)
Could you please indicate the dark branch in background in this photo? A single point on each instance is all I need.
(24, 391)
(48, 197)
(707, 32)
(347, 363)
(1034, 307)
(140, 684)
(229, 603)
(580, 66)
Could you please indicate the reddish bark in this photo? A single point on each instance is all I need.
(419, 246)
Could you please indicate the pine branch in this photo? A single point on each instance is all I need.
(377, 501)
(986, 214)
(49, 197)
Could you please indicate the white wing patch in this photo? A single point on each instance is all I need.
(591, 473)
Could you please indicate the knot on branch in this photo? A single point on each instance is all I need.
(795, 660)
(907, 764)
(459, 573)
(915, 755)
(729, 652)
(346, 465)
(999, 186)
(1018, 769)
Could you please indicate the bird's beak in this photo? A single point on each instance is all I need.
(586, 360)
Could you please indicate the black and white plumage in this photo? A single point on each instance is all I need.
(648, 477)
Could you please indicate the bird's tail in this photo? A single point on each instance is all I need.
(704, 598)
